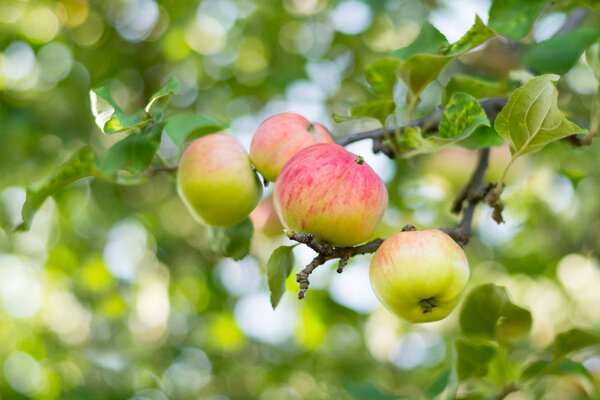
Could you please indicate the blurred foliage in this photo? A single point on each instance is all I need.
(116, 292)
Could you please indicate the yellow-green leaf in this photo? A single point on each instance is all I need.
(531, 118)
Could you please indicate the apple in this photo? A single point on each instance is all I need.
(419, 275)
(329, 192)
(281, 136)
(216, 181)
(265, 218)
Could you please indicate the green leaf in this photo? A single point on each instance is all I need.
(279, 267)
(414, 143)
(461, 117)
(573, 340)
(182, 126)
(570, 367)
(366, 390)
(232, 241)
(559, 54)
(477, 87)
(378, 109)
(420, 70)
(476, 35)
(429, 41)
(381, 75)
(575, 176)
(592, 58)
(514, 18)
(534, 369)
(109, 116)
(444, 387)
(488, 312)
(158, 101)
(81, 164)
(563, 367)
(484, 136)
(531, 118)
(514, 322)
(133, 154)
(472, 359)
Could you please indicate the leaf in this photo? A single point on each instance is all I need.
(378, 109)
(531, 118)
(461, 117)
(232, 241)
(429, 41)
(592, 58)
(366, 390)
(534, 369)
(80, 165)
(573, 175)
(158, 101)
(574, 339)
(477, 87)
(444, 387)
(279, 267)
(381, 75)
(182, 126)
(488, 312)
(559, 54)
(476, 35)
(484, 136)
(133, 154)
(420, 70)
(109, 116)
(563, 367)
(514, 322)
(514, 18)
(472, 359)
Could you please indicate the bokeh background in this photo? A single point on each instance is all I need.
(116, 292)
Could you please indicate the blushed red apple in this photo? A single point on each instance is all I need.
(419, 276)
(265, 218)
(216, 180)
(281, 136)
(329, 192)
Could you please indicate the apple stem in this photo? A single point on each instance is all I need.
(409, 228)
(427, 305)
(360, 160)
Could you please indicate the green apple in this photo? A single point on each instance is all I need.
(332, 193)
(281, 136)
(216, 181)
(419, 275)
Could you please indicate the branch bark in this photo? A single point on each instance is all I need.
(429, 124)
(466, 202)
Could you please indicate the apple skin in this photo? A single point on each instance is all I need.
(216, 181)
(412, 271)
(281, 136)
(329, 192)
(265, 218)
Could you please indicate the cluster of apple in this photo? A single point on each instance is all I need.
(323, 189)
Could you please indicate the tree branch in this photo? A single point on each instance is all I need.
(429, 124)
(474, 193)
(159, 170)
(466, 202)
(327, 252)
